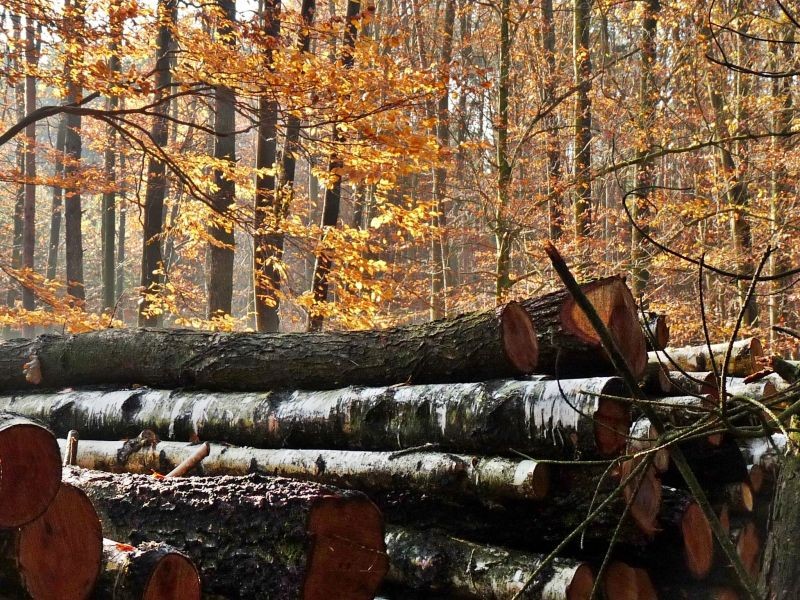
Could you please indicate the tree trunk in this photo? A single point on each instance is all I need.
(220, 254)
(569, 345)
(58, 555)
(72, 203)
(156, 190)
(780, 577)
(19, 200)
(435, 473)
(554, 200)
(333, 190)
(502, 227)
(656, 324)
(474, 346)
(31, 474)
(435, 562)
(151, 570)
(497, 416)
(29, 205)
(744, 357)
(322, 542)
(58, 195)
(582, 118)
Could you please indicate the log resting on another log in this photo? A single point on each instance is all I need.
(151, 571)
(568, 344)
(487, 478)
(251, 537)
(487, 417)
(30, 470)
(695, 383)
(470, 347)
(656, 325)
(743, 362)
(57, 555)
(432, 561)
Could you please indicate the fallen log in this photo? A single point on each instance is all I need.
(30, 470)
(568, 344)
(471, 347)
(643, 437)
(764, 452)
(432, 561)
(737, 496)
(487, 417)
(151, 571)
(757, 390)
(487, 478)
(656, 326)
(320, 542)
(744, 535)
(655, 380)
(57, 555)
(695, 383)
(696, 358)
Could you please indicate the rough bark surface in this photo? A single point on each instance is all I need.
(471, 347)
(489, 478)
(433, 561)
(251, 537)
(780, 575)
(696, 358)
(494, 416)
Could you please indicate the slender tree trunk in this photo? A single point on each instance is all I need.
(29, 205)
(220, 255)
(503, 233)
(58, 195)
(333, 191)
(19, 201)
(108, 222)
(555, 208)
(268, 240)
(152, 260)
(643, 174)
(583, 118)
(119, 287)
(72, 202)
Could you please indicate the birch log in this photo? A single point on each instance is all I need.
(487, 417)
(438, 473)
(696, 358)
(470, 347)
(250, 537)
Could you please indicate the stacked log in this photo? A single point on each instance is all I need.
(743, 360)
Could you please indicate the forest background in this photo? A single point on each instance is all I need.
(302, 165)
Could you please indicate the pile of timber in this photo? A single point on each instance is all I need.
(492, 455)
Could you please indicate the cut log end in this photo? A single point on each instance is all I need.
(756, 476)
(612, 423)
(533, 478)
(644, 586)
(174, 578)
(580, 588)
(698, 543)
(30, 472)
(519, 338)
(620, 582)
(60, 553)
(348, 550)
(646, 504)
(748, 547)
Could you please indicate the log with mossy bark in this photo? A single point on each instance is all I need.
(568, 344)
(149, 571)
(250, 537)
(484, 477)
(743, 362)
(433, 561)
(470, 347)
(30, 469)
(57, 555)
(542, 418)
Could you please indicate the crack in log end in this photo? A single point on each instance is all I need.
(60, 553)
(698, 543)
(30, 470)
(620, 582)
(519, 338)
(580, 588)
(174, 578)
(347, 548)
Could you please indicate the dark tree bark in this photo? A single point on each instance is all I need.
(583, 117)
(220, 255)
(58, 195)
(119, 286)
(554, 201)
(19, 200)
(474, 346)
(309, 531)
(268, 238)
(780, 575)
(333, 191)
(73, 233)
(29, 205)
(152, 260)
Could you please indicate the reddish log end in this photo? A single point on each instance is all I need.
(30, 470)
(174, 578)
(580, 588)
(519, 338)
(748, 547)
(60, 553)
(644, 586)
(646, 504)
(756, 476)
(620, 582)
(698, 541)
(724, 517)
(612, 420)
(345, 532)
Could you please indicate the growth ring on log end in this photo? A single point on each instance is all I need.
(60, 553)
(519, 337)
(30, 470)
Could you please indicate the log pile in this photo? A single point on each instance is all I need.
(493, 455)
